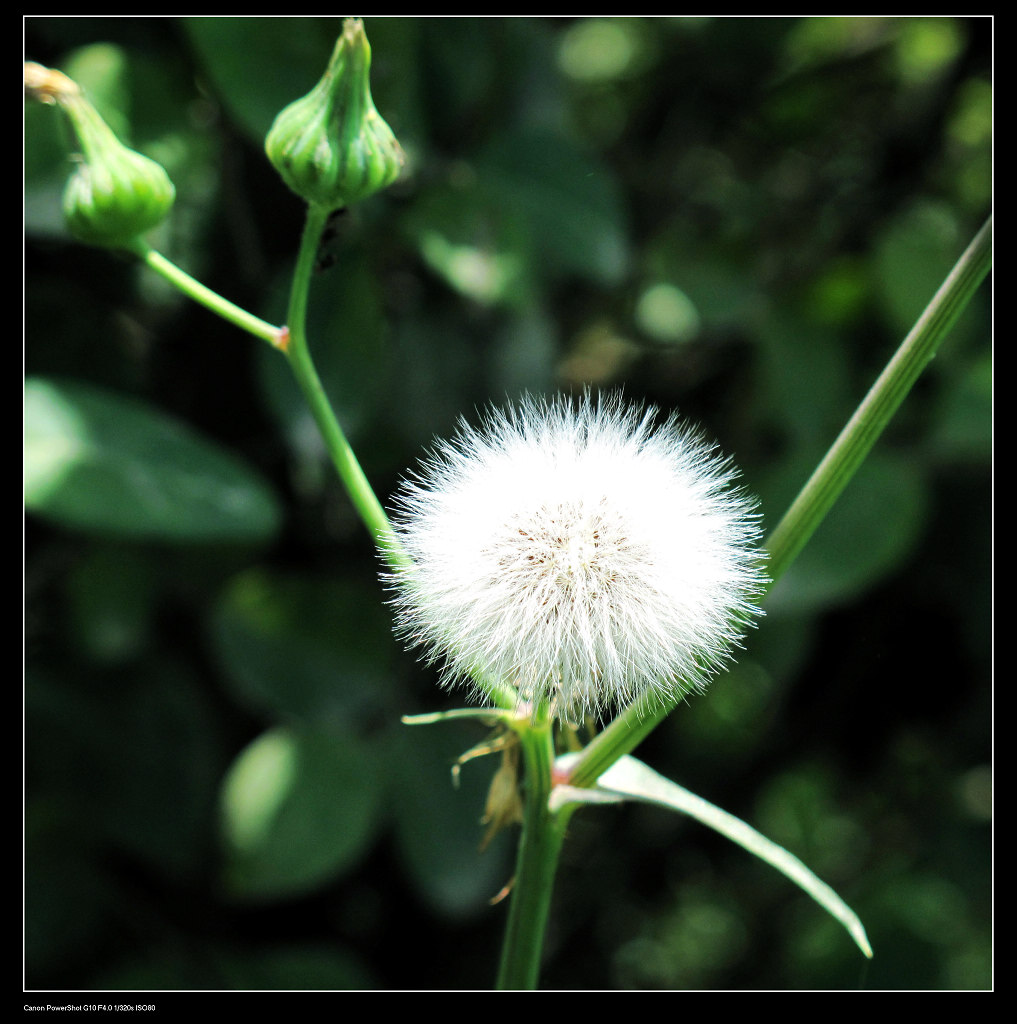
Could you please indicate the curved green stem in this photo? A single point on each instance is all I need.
(297, 352)
(180, 279)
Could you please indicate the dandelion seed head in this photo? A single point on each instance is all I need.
(586, 552)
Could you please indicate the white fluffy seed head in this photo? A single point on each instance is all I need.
(579, 552)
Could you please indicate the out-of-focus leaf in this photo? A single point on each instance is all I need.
(868, 533)
(569, 202)
(963, 428)
(283, 968)
(805, 387)
(438, 828)
(532, 205)
(912, 257)
(100, 462)
(110, 594)
(438, 370)
(298, 968)
(299, 807)
(317, 650)
(473, 242)
(258, 66)
(150, 794)
(160, 794)
(68, 897)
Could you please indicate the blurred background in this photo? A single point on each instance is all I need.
(738, 219)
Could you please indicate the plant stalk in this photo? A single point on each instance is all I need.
(830, 478)
(193, 289)
(365, 501)
(537, 860)
(862, 431)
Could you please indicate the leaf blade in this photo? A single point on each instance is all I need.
(632, 779)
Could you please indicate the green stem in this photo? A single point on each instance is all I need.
(871, 417)
(625, 732)
(536, 860)
(180, 279)
(832, 475)
(365, 501)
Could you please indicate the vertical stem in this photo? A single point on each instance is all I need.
(536, 862)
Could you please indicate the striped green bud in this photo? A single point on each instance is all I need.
(115, 194)
(332, 147)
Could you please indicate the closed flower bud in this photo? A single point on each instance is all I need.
(115, 194)
(332, 147)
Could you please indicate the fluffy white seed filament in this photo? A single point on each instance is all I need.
(578, 552)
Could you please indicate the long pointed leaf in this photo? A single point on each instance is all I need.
(629, 778)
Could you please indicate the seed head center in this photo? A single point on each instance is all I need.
(566, 547)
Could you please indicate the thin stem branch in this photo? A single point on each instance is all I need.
(180, 279)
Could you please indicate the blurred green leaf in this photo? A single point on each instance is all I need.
(159, 798)
(473, 243)
(257, 66)
(801, 810)
(111, 598)
(316, 650)
(868, 534)
(437, 824)
(533, 204)
(299, 807)
(297, 968)
(103, 463)
(805, 389)
(102, 71)
(913, 255)
(211, 965)
(69, 899)
(47, 168)
(568, 201)
(963, 429)
(150, 794)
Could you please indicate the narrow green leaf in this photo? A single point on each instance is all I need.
(487, 716)
(630, 778)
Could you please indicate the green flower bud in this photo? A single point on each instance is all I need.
(332, 147)
(115, 194)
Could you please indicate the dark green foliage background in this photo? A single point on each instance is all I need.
(737, 218)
